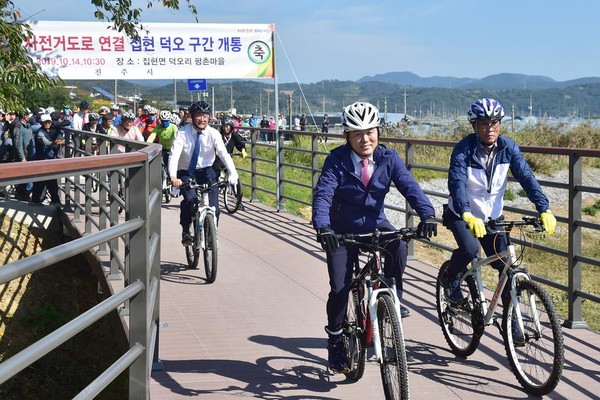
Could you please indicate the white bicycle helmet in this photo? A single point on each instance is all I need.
(360, 116)
(175, 119)
(128, 115)
(486, 109)
(165, 115)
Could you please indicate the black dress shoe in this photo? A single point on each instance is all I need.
(186, 239)
(404, 312)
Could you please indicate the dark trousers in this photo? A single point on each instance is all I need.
(468, 247)
(340, 265)
(39, 188)
(165, 165)
(204, 175)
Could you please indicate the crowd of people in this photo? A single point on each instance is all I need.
(38, 135)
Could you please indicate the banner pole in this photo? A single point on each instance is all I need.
(277, 138)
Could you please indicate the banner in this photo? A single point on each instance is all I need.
(91, 50)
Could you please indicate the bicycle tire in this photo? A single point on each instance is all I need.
(167, 193)
(210, 248)
(192, 253)
(95, 182)
(353, 328)
(394, 366)
(538, 364)
(462, 326)
(232, 197)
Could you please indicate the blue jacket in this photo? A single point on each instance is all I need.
(341, 200)
(471, 189)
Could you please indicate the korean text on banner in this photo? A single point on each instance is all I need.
(88, 50)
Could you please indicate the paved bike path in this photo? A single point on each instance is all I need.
(257, 332)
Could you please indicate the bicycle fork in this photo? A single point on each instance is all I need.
(374, 319)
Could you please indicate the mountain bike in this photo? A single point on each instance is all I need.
(373, 314)
(232, 194)
(204, 230)
(537, 357)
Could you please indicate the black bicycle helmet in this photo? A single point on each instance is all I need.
(201, 107)
(228, 121)
(84, 105)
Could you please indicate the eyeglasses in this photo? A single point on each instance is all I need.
(494, 123)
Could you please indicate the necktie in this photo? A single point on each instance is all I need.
(365, 174)
(195, 152)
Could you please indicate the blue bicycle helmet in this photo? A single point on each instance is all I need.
(486, 109)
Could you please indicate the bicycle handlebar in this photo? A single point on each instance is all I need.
(205, 187)
(376, 237)
(501, 225)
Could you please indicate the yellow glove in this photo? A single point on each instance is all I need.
(548, 221)
(244, 154)
(475, 224)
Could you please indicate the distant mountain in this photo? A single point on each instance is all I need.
(504, 81)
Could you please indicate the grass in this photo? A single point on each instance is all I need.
(542, 264)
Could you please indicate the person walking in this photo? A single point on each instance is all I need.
(46, 146)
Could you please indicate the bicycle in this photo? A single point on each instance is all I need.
(537, 363)
(373, 314)
(232, 195)
(204, 230)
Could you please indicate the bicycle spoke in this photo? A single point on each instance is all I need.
(394, 368)
(537, 364)
(457, 322)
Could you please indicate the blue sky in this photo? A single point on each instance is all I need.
(346, 40)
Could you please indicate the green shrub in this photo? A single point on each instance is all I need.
(593, 209)
(509, 195)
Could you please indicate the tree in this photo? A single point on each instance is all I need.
(18, 70)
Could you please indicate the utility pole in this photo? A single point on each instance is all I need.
(385, 109)
(404, 102)
(512, 122)
(323, 88)
(213, 101)
(231, 96)
(174, 93)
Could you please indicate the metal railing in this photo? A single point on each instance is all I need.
(137, 263)
(574, 221)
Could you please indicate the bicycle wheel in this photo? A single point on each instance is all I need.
(462, 325)
(167, 194)
(538, 363)
(210, 248)
(192, 253)
(394, 368)
(95, 182)
(232, 197)
(355, 350)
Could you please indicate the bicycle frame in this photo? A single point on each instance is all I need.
(202, 208)
(510, 258)
(373, 290)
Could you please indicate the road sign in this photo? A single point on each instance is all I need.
(195, 85)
